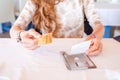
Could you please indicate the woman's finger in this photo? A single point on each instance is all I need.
(29, 39)
(95, 45)
(29, 43)
(97, 51)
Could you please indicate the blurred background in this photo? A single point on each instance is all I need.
(109, 11)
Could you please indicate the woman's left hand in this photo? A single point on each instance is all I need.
(95, 47)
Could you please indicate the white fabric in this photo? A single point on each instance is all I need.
(69, 15)
(46, 63)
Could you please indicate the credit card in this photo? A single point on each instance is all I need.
(45, 39)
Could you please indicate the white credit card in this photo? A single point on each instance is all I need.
(81, 47)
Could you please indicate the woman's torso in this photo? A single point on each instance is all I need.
(70, 16)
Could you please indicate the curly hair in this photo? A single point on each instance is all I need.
(45, 15)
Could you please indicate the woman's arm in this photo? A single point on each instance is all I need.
(98, 28)
(98, 32)
(29, 39)
(93, 18)
(23, 19)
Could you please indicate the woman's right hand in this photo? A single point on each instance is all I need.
(29, 39)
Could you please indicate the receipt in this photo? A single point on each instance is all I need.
(81, 47)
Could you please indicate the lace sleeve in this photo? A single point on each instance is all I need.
(91, 12)
(26, 15)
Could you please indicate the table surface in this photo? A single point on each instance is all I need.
(46, 63)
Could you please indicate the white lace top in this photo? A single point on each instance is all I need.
(71, 16)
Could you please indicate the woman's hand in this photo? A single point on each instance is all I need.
(95, 47)
(29, 39)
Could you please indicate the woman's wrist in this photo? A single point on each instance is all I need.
(93, 35)
(18, 35)
(99, 31)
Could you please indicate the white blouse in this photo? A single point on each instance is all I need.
(71, 16)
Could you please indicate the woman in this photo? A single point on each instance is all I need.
(64, 18)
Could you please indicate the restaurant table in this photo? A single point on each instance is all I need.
(46, 62)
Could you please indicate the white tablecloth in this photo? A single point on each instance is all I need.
(46, 63)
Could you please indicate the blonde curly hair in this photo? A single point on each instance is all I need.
(45, 15)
